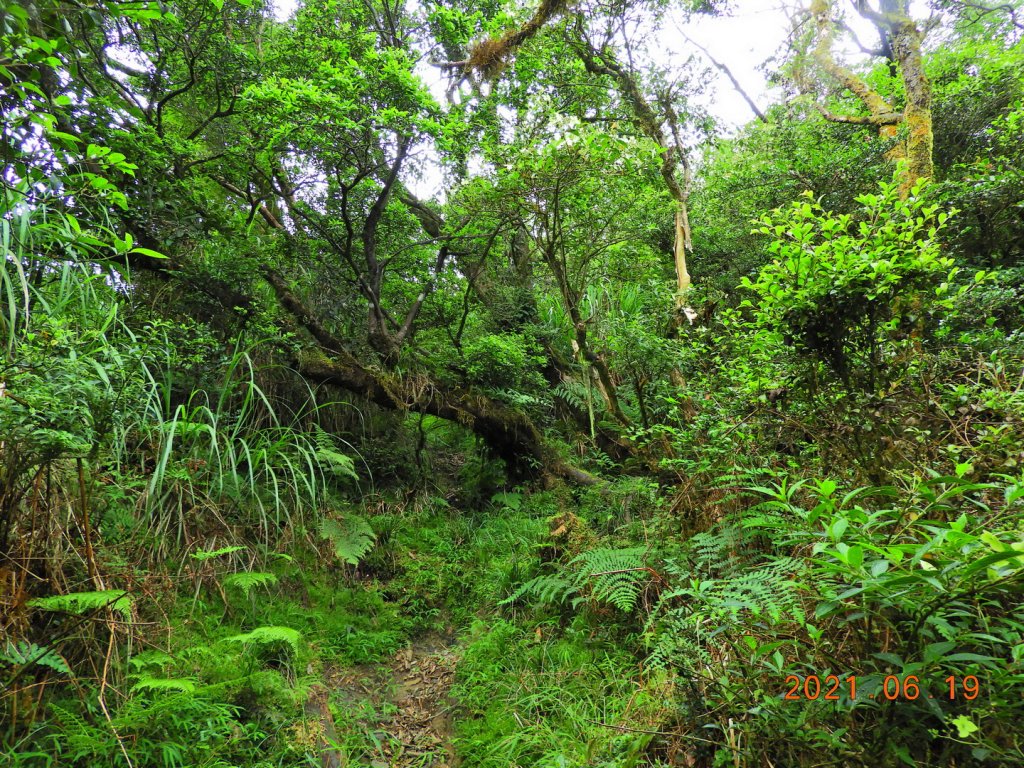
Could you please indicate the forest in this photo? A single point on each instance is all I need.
(436, 384)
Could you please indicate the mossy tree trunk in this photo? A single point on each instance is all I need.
(910, 127)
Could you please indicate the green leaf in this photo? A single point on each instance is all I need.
(891, 658)
(965, 726)
(180, 684)
(855, 556)
(976, 657)
(24, 652)
(246, 581)
(989, 560)
(202, 554)
(935, 651)
(352, 537)
(86, 602)
(269, 636)
(148, 252)
(837, 528)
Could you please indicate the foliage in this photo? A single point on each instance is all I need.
(614, 576)
(845, 288)
(269, 638)
(911, 575)
(245, 581)
(499, 360)
(571, 687)
(350, 538)
(634, 514)
(87, 602)
(22, 653)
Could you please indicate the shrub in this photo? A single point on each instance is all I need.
(851, 290)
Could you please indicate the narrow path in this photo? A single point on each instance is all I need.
(423, 676)
(406, 705)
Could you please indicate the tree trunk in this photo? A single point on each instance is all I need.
(510, 434)
(911, 127)
(917, 114)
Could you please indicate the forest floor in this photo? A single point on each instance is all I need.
(403, 705)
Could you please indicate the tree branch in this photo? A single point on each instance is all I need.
(732, 79)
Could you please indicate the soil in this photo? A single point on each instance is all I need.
(406, 706)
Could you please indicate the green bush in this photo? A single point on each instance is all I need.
(850, 290)
(500, 360)
(888, 587)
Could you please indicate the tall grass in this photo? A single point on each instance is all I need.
(224, 454)
(83, 384)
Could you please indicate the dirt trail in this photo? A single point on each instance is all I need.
(406, 703)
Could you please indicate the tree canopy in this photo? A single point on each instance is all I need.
(472, 329)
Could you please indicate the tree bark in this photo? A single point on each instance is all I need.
(510, 434)
(910, 128)
(672, 156)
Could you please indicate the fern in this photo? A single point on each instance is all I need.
(616, 576)
(338, 463)
(179, 685)
(268, 637)
(204, 555)
(85, 602)
(714, 551)
(512, 501)
(763, 593)
(351, 538)
(151, 658)
(24, 653)
(769, 591)
(572, 392)
(246, 580)
(82, 739)
(550, 588)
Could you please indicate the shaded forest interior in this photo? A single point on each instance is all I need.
(639, 440)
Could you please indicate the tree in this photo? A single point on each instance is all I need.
(594, 33)
(908, 129)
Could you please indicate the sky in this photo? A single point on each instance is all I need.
(743, 41)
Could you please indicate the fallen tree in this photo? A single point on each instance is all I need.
(508, 433)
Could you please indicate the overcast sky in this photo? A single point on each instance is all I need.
(742, 41)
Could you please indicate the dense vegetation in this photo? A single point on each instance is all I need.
(642, 442)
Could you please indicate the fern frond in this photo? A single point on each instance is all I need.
(616, 576)
(546, 589)
(180, 684)
(509, 500)
(246, 580)
(24, 653)
(572, 392)
(765, 592)
(351, 537)
(770, 589)
(150, 659)
(204, 555)
(270, 636)
(74, 727)
(330, 457)
(84, 602)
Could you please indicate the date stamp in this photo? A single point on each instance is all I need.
(894, 688)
